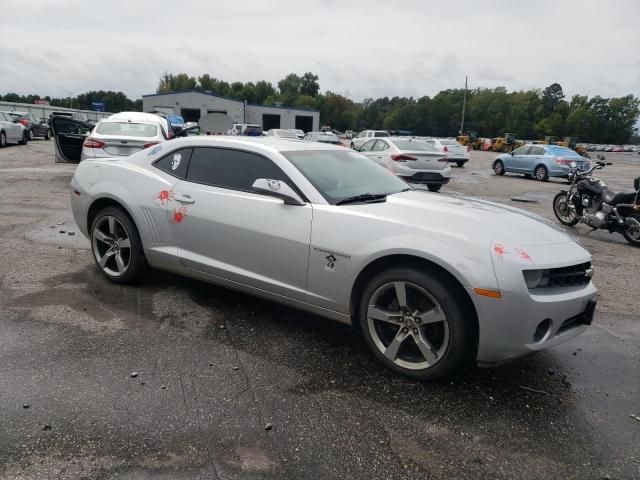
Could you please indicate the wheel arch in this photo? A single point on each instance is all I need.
(103, 202)
(412, 261)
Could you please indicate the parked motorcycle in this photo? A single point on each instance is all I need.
(590, 201)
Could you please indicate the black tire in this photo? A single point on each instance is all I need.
(444, 297)
(47, 135)
(562, 212)
(498, 167)
(25, 138)
(541, 173)
(136, 263)
(3, 139)
(460, 164)
(633, 237)
(434, 187)
(352, 146)
(31, 134)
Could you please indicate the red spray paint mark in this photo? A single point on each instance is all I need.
(179, 215)
(524, 255)
(164, 196)
(500, 250)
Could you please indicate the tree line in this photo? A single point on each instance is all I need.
(113, 101)
(491, 112)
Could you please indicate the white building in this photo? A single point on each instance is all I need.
(193, 105)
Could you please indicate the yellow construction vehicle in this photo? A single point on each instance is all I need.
(470, 139)
(572, 143)
(506, 144)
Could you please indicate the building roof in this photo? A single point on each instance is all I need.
(177, 92)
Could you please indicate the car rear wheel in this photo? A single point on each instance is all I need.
(117, 248)
(31, 134)
(414, 323)
(541, 173)
(434, 187)
(3, 140)
(498, 167)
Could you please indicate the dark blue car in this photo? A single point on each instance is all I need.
(540, 161)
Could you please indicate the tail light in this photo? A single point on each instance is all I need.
(445, 149)
(93, 143)
(24, 122)
(445, 160)
(147, 145)
(402, 158)
(564, 161)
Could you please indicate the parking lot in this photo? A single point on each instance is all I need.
(180, 379)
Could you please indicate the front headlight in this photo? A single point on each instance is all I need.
(536, 278)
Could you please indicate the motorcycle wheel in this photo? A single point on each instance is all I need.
(632, 231)
(564, 214)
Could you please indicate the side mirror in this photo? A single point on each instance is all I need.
(278, 189)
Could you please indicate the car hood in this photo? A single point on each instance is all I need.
(478, 220)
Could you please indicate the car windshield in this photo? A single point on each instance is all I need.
(381, 134)
(341, 174)
(414, 146)
(565, 152)
(127, 129)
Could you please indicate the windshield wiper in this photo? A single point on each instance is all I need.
(365, 197)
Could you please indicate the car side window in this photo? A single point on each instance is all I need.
(367, 146)
(522, 150)
(234, 169)
(536, 151)
(175, 163)
(379, 146)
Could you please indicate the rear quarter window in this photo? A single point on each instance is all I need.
(175, 163)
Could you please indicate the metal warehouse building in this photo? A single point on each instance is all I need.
(192, 105)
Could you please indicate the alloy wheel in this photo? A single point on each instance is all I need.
(111, 246)
(408, 325)
(541, 173)
(30, 134)
(3, 140)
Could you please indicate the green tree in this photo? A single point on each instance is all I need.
(309, 84)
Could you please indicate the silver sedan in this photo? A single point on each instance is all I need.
(431, 281)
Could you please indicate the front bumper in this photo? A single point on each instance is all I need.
(524, 321)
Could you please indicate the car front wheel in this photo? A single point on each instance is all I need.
(498, 167)
(3, 140)
(414, 324)
(117, 248)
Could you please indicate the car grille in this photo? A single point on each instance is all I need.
(572, 276)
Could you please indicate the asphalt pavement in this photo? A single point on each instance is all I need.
(178, 379)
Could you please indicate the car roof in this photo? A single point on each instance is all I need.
(137, 117)
(273, 143)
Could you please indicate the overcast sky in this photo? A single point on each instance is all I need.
(358, 48)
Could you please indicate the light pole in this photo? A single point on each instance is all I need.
(70, 93)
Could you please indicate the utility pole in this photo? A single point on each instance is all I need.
(464, 105)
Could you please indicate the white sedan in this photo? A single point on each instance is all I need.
(431, 281)
(455, 152)
(412, 160)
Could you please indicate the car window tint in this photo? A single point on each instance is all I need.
(176, 162)
(233, 169)
(379, 146)
(367, 146)
(65, 125)
(536, 151)
(522, 150)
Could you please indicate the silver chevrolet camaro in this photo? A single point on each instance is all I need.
(431, 281)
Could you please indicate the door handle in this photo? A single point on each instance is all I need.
(184, 199)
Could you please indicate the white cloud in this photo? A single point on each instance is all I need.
(409, 48)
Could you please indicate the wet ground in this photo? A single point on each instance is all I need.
(177, 379)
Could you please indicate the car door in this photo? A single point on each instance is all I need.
(534, 157)
(12, 128)
(223, 228)
(367, 149)
(378, 152)
(69, 135)
(518, 161)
